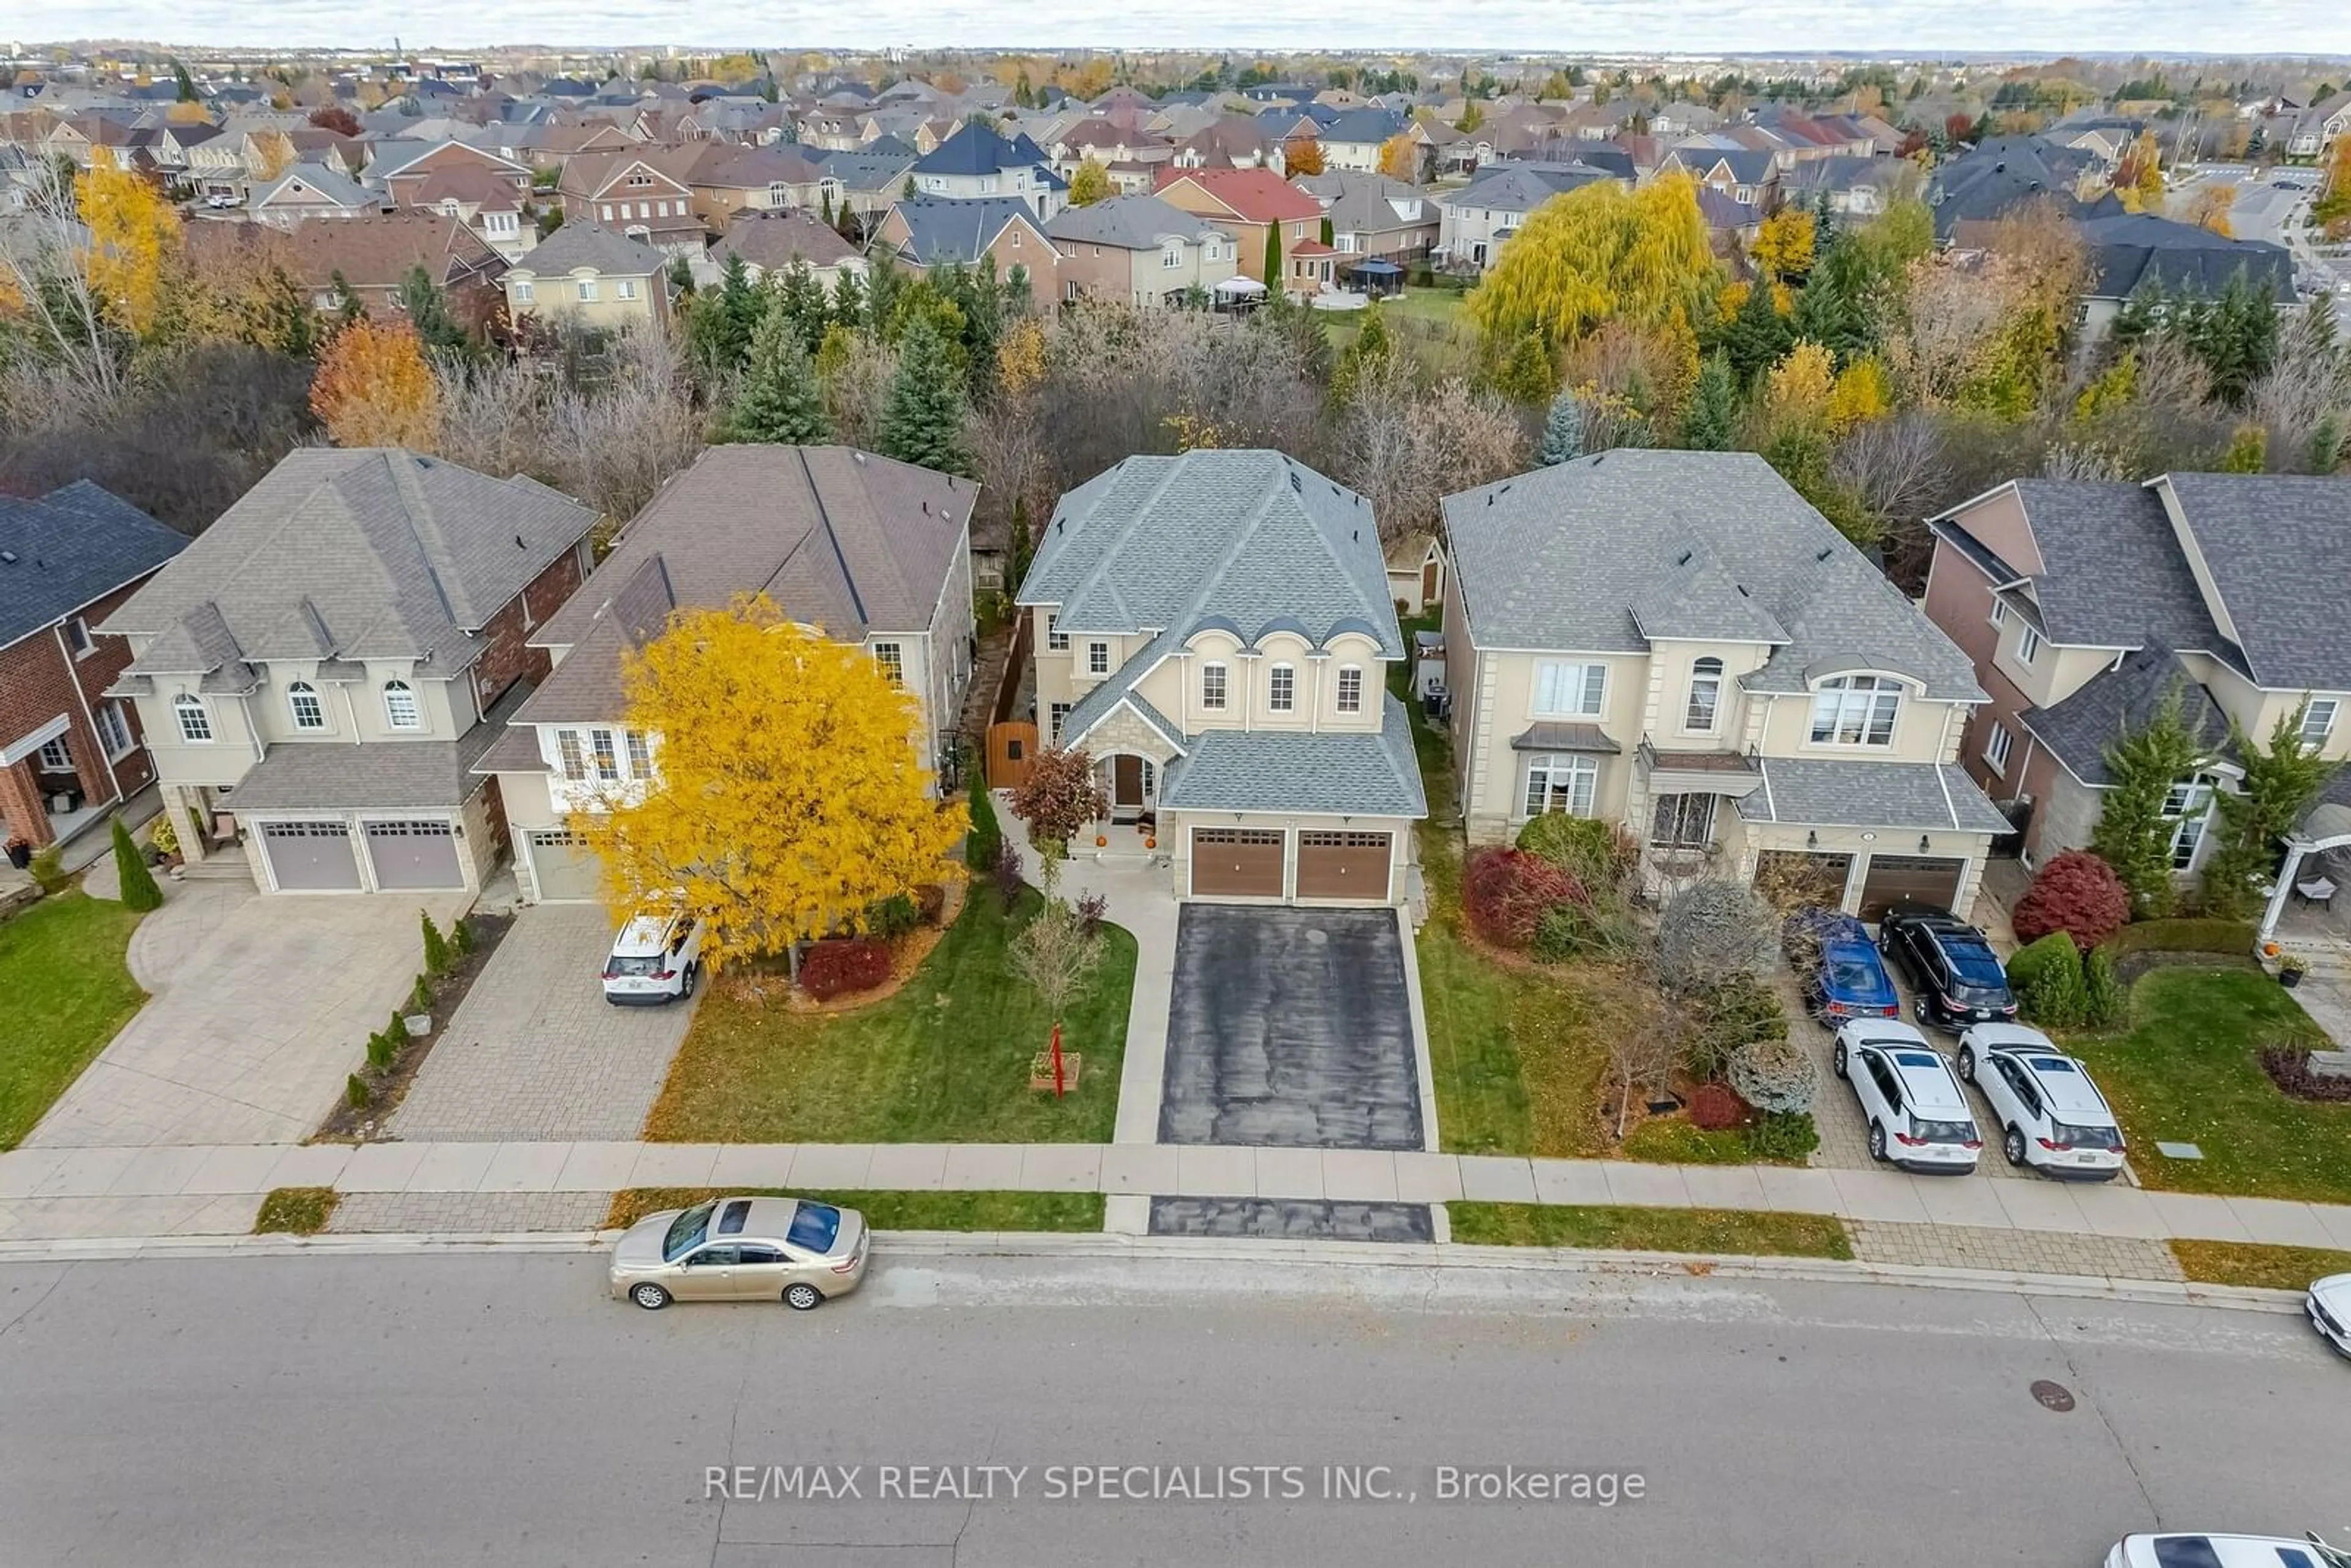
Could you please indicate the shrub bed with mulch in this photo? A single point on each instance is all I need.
(2289, 1068)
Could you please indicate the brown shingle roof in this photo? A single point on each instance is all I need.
(372, 251)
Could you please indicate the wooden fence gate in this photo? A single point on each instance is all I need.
(1010, 749)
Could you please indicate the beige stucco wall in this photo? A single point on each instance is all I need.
(557, 296)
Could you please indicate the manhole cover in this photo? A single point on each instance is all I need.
(2054, 1396)
(1316, 937)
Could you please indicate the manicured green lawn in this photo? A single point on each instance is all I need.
(2264, 1268)
(2187, 1070)
(65, 991)
(896, 1210)
(1630, 1229)
(944, 1060)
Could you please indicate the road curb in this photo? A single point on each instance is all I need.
(1531, 1261)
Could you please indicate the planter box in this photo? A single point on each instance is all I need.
(1040, 1071)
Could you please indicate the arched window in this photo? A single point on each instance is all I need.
(400, 706)
(309, 713)
(1705, 696)
(1855, 710)
(195, 723)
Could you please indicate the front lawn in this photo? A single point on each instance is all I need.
(945, 1060)
(2264, 1268)
(65, 991)
(2186, 1071)
(1626, 1229)
(1077, 1211)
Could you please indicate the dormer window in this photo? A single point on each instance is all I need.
(302, 701)
(1212, 686)
(1350, 688)
(1857, 710)
(1282, 688)
(400, 710)
(1705, 696)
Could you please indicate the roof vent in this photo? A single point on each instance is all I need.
(1295, 486)
(1826, 552)
(1686, 558)
(7, 557)
(927, 508)
(518, 543)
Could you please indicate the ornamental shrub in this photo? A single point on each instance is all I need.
(1807, 930)
(1784, 1135)
(979, 845)
(138, 883)
(436, 946)
(852, 964)
(891, 917)
(1588, 849)
(1507, 891)
(2078, 894)
(1713, 1107)
(1774, 1075)
(2047, 976)
(1738, 1013)
(1712, 931)
(2101, 989)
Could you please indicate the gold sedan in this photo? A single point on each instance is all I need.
(797, 1250)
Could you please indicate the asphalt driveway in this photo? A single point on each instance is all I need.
(1291, 1028)
(535, 1053)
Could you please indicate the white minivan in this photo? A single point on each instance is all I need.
(655, 959)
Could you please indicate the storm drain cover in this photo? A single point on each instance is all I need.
(2054, 1396)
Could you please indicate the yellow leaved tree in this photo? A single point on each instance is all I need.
(789, 798)
(1596, 254)
(374, 389)
(132, 231)
(1400, 157)
(1091, 183)
(1783, 244)
(1797, 388)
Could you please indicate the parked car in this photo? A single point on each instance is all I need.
(792, 1250)
(1959, 976)
(2052, 1117)
(655, 959)
(2329, 1305)
(1848, 980)
(1917, 1113)
(2170, 1550)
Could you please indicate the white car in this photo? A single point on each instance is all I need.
(2050, 1116)
(1917, 1113)
(655, 959)
(2170, 1550)
(2329, 1305)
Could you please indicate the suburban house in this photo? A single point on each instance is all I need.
(1373, 216)
(1214, 631)
(874, 553)
(1704, 661)
(976, 162)
(1230, 141)
(69, 751)
(945, 231)
(311, 191)
(2309, 133)
(772, 241)
(757, 180)
(318, 670)
(2085, 603)
(587, 275)
(645, 194)
(371, 255)
(1473, 221)
(1353, 140)
(2131, 251)
(1247, 204)
(865, 182)
(1139, 249)
(1749, 177)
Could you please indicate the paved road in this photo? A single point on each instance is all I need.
(472, 1410)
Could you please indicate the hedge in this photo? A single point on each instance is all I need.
(850, 964)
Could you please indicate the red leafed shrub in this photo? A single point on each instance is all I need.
(2078, 894)
(853, 963)
(1507, 892)
(1715, 1106)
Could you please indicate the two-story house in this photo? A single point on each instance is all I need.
(1372, 215)
(871, 552)
(976, 162)
(1247, 204)
(2086, 604)
(68, 751)
(1677, 642)
(930, 232)
(1474, 223)
(318, 670)
(1140, 250)
(587, 275)
(1214, 631)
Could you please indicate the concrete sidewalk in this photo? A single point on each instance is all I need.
(84, 1189)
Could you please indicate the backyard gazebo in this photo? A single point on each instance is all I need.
(1376, 276)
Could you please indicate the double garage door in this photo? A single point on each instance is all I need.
(1251, 862)
(405, 854)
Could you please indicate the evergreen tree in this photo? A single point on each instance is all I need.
(923, 421)
(681, 277)
(883, 283)
(2327, 444)
(2281, 783)
(1711, 420)
(2133, 834)
(1526, 376)
(130, 874)
(848, 300)
(1273, 258)
(800, 300)
(825, 211)
(1372, 349)
(1562, 436)
(428, 311)
(1823, 315)
(778, 400)
(1757, 337)
(187, 83)
(1328, 233)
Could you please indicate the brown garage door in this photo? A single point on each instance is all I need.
(1236, 862)
(1343, 865)
(1909, 879)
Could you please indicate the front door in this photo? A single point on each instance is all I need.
(1126, 783)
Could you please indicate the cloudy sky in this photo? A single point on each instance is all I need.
(1696, 26)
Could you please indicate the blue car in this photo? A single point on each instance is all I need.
(1850, 979)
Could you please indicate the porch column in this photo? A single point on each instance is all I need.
(178, 799)
(2283, 891)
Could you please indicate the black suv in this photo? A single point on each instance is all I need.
(1958, 977)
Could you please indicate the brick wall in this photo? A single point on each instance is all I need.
(39, 680)
(505, 656)
(1960, 602)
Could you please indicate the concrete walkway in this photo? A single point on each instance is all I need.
(39, 1186)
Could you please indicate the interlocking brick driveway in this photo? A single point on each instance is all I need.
(536, 1054)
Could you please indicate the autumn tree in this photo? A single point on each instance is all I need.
(337, 119)
(778, 399)
(1090, 185)
(775, 831)
(132, 231)
(1303, 156)
(1783, 252)
(2209, 208)
(1400, 157)
(1061, 796)
(374, 389)
(1600, 253)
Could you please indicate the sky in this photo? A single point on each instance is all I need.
(1584, 26)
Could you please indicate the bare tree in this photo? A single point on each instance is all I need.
(1711, 932)
(1895, 466)
(44, 255)
(1054, 954)
(2308, 381)
(1404, 449)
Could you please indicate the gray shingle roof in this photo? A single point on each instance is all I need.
(2279, 547)
(2128, 249)
(1522, 188)
(1928, 796)
(839, 538)
(1250, 537)
(2114, 573)
(945, 229)
(76, 544)
(323, 776)
(591, 245)
(2115, 702)
(359, 553)
(1602, 553)
(1130, 223)
(1290, 770)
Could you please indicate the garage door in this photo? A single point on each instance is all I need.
(310, 857)
(1909, 879)
(1343, 865)
(565, 870)
(1236, 862)
(421, 854)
